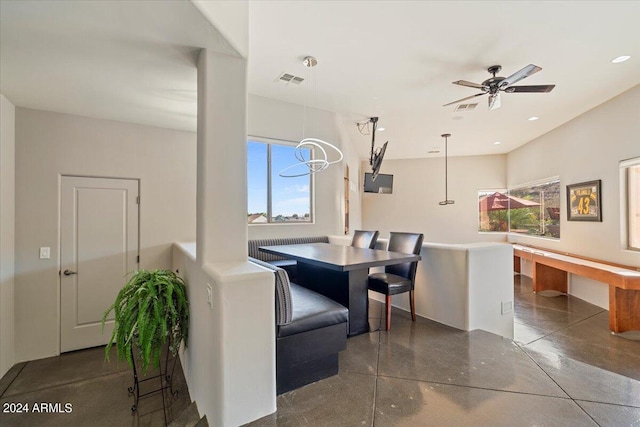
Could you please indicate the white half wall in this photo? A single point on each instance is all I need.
(418, 186)
(269, 118)
(586, 148)
(230, 361)
(49, 145)
(7, 234)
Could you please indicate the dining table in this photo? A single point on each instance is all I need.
(341, 273)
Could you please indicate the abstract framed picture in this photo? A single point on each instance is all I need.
(584, 201)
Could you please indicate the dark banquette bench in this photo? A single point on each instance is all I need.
(288, 264)
(311, 330)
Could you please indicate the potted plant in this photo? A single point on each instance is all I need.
(151, 310)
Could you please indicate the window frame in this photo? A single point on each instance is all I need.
(625, 205)
(287, 143)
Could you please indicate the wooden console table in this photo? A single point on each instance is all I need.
(550, 272)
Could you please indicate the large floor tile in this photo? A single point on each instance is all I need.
(415, 403)
(591, 343)
(64, 369)
(342, 400)
(361, 355)
(96, 402)
(612, 415)
(564, 303)
(10, 376)
(547, 320)
(525, 334)
(522, 284)
(587, 382)
(476, 359)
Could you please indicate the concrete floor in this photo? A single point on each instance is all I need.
(563, 369)
(96, 390)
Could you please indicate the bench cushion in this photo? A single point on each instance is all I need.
(284, 310)
(312, 311)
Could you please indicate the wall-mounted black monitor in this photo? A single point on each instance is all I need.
(383, 184)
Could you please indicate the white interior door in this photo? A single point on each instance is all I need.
(98, 247)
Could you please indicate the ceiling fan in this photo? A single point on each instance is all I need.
(494, 85)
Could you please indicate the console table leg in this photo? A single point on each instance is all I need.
(624, 306)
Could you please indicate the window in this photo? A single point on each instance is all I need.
(493, 210)
(272, 198)
(532, 209)
(631, 175)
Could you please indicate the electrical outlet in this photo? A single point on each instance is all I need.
(210, 296)
(45, 252)
(507, 307)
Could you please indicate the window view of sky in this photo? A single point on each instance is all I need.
(290, 197)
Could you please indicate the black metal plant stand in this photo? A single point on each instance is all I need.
(166, 382)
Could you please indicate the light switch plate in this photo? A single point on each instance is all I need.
(210, 296)
(45, 252)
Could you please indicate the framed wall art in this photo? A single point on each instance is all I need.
(584, 201)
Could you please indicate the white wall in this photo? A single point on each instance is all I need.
(7, 233)
(50, 144)
(269, 118)
(588, 147)
(418, 186)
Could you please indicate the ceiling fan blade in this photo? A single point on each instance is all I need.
(469, 84)
(533, 89)
(464, 99)
(494, 101)
(519, 75)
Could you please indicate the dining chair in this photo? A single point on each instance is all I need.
(365, 239)
(398, 278)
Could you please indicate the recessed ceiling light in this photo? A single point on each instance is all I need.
(380, 129)
(533, 118)
(497, 143)
(620, 59)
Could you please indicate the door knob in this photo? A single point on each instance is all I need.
(69, 272)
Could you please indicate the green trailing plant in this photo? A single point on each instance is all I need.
(151, 309)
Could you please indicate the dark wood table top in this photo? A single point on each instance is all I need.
(339, 257)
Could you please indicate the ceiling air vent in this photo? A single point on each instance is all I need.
(466, 107)
(287, 78)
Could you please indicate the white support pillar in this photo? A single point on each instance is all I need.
(222, 158)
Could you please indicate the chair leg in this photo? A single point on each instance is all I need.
(387, 306)
(413, 306)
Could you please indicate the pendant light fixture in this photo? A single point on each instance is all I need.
(321, 160)
(446, 200)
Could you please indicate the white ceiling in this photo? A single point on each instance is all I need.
(135, 62)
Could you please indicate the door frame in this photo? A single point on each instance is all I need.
(59, 242)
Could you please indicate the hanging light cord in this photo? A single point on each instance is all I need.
(446, 200)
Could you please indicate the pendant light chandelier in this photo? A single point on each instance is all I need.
(446, 200)
(321, 160)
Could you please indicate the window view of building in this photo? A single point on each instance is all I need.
(633, 205)
(272, 198)
(529, 209)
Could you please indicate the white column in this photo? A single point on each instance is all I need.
(222, 158)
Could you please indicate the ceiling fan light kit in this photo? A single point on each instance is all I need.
(496, 84)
